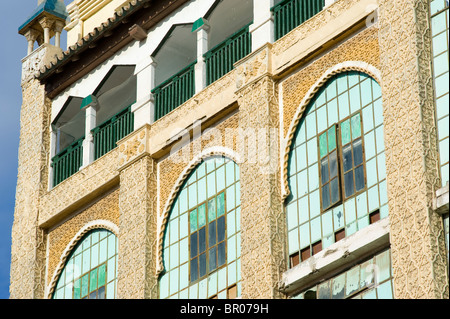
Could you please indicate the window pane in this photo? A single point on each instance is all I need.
(326, 196)
(221, 229)
(193, 220)
(201, 216)
(202, 240)
(221, 204)
(194, 245)
(359, 178)
(347, 157)
(212, 209)
(101, 293)
(345, 132)
(323, 146)
(332, 138)
(221, 254)
(324, 170)
(356, 126)
(348, 182)
(194, 269)
(212, 234)
(358, 152)
(335, 191)
(212, 258)
(333, 165)
(202, 263)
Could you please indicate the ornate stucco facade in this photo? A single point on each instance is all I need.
(251, 116)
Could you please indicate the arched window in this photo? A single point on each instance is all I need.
(202, 239)
(91, 270)
(337, 173)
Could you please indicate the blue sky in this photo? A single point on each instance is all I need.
(13, 48)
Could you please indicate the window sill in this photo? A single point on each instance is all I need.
(336, 258)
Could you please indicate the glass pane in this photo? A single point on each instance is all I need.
(221, 229)
(326, 196)
(221, 254)
(345, 132)
(212, 209)
(194, 244)
(193, 220)
(359, 178)
(202, 240)
(102, 293)
(212, 259)
(202, 263)
(335, 193)
(358, 152)
(324, 291)
(347, 157)
(77, 289)
(332, 138)
(221, 204)
(93, 295)
(323, 147)
(348, 182)
(356, 126)
(201, 216)
(333, 164)
(212, 234)
(102, 275)
(84, 285)
(93, 280)
(324, 170)
(194, 269)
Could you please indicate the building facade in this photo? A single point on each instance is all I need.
(234, 149)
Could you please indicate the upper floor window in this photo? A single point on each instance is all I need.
(202, 239)
(337, 173)
(91, 270)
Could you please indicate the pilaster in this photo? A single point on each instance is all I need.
(417, 235)
(262, 219)
(137, 201)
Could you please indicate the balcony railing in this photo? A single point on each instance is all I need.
(220, 59)
(107, 134)
(67, 162)
(175, 91)
(289, 14)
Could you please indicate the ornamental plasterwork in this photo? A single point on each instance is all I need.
(32, 64)
(133, 146)
(251, 68)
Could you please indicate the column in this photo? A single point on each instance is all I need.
(417, 234)
(46, 24)
(31, 35)
(144, 108)
(263, 224)
(59, 25)
(90, 106)
(202, 30)
(262, 29)
(138, 211)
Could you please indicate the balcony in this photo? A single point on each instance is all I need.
(289, 14)
(220, 60)
(67, 162)
(174, 91)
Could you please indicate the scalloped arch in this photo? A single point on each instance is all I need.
(96, 224)
(338, 68)
(193, 164)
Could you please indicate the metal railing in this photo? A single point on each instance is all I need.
(289, 14)
(107, 134)
(220, 60)
(67, 162)
(175, 91)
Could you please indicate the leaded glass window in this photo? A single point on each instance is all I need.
(90, 272)
(371, 279)
(337, 171)
(202, 240)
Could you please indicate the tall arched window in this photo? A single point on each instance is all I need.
(337, 173)
(91, 269)
(202, 239)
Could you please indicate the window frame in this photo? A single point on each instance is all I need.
(340, 159)
(206, 226)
